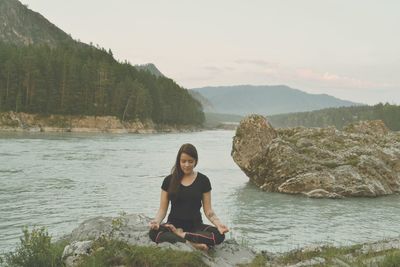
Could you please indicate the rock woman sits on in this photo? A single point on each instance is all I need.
(187, 190)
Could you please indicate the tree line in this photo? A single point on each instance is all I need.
(73, 79)
(340, 117)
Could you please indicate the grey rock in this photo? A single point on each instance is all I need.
(381, 246)
(340, 263)
(374, 261)
(73, 252)
(231, 253)
(133, 229)
(361, 160)
(311, 262)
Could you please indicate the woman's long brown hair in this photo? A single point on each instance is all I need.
(176, 172)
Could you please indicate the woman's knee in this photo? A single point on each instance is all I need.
(219, 238)
(153, 234)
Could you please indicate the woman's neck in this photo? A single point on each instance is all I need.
(189, 176)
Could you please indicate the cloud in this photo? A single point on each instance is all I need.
(286, 74)
(335, 80)
(261, 63)
(212, 68)
(262, 72)
(218, 69)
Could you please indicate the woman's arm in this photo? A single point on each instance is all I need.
(162, 211)
(210, 214)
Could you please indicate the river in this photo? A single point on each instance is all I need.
(58, 180)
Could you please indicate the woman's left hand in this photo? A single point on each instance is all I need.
(222, 229)
(170, 227)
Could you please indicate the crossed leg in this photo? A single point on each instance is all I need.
(202, 237)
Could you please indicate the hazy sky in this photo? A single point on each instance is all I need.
(346, 48)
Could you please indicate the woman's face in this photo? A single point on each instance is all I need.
(187, 163)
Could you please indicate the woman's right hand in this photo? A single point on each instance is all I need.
(222, 229)
(154, 225)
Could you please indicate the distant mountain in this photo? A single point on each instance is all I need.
(266, 100)
(205, 103)
(22, 26)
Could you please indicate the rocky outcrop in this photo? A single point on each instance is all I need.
(133, 229)
(361, 160)
(12, 121)
(379, 253)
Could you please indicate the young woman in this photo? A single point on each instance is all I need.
(187, 190)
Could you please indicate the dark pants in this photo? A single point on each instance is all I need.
(195, 232)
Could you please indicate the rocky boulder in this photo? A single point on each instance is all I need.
(361, 160)
(133, 229)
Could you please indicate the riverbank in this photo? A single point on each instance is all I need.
(24, 122)
(124, 241)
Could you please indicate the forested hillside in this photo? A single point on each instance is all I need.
(43, 70)
(339, 117)
(74, 79)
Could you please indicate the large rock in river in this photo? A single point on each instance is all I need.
(361, 160)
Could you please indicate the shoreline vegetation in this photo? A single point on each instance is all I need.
(25, 122)
(36, 248)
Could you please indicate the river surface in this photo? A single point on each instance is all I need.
(58, 180)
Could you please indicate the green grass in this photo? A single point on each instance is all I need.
(258, 261)
(37, 250)
(330, 164)
(113, 253)
(391, 260)
(329, 253)
(326, 252)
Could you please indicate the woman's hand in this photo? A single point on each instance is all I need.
(170, 227)
(154, 225)
(222, 229)
(177, 231)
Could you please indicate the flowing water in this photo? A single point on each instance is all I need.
(59, 180)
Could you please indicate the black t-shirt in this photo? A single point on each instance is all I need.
(187, 203)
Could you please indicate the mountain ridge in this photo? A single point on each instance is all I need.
(150, 67)
(22, 26)
(266, 99)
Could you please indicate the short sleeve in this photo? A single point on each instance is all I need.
(206, 185)
(165, 184)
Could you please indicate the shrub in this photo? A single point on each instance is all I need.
(35, 250)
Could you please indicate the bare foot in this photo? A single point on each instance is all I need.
(170, 227)
(199, 246)
(179, 232)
